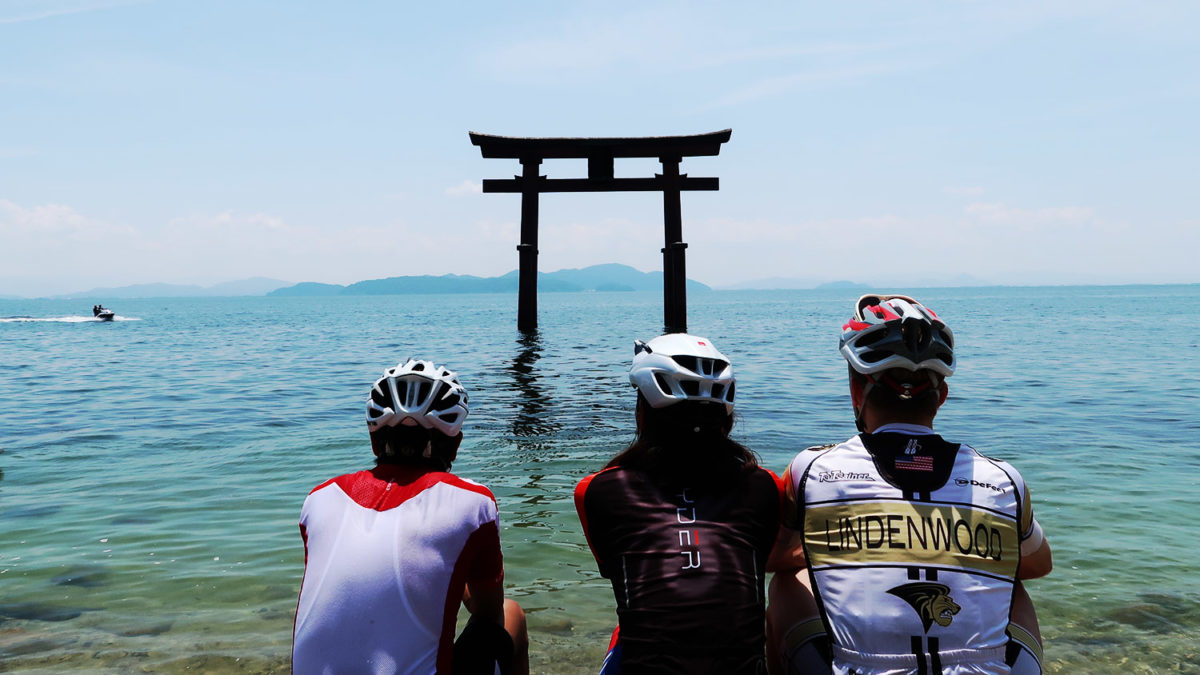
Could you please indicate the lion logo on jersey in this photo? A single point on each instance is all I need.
(931, 601)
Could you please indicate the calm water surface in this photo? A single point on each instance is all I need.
(152, 469)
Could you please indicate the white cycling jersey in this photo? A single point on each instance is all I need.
(913, 545)
(387, 555)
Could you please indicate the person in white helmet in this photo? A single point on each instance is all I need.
(683, 520)
(391, 552)
(912, 547)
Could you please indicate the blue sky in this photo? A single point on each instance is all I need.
(884, 142)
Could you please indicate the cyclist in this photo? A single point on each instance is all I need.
(914, 546)
(682, 521)
(390, 552)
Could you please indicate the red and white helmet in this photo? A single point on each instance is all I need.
(680, 367)
(418, 393)
(895, 331)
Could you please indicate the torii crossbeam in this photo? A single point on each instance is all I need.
(600, 153)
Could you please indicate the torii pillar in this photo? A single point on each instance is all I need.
(600, 153)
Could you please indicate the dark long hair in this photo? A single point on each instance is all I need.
(685, 443)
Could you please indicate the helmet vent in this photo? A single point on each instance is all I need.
(445, 401)
(662, 384)
(729, 394)
(718, 390)
(690, 362)
(701, 365)
(690, 387)
(417, 393)
(916, 335)
(871, 337)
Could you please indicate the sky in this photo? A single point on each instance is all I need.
(902, 143)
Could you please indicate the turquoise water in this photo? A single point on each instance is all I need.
(152, 469)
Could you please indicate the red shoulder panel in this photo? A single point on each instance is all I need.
(388, 486)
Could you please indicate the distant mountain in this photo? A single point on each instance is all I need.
(840, 285)
(808, 283)
(773, 284)
(252, 286)
(308, 288)
(601, 278)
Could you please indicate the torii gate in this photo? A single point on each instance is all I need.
(600, 152)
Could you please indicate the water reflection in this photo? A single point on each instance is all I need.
(533, 425)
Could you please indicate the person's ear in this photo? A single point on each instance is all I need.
(454, 443)
(943, 392)
(857, 392)
(378, 445)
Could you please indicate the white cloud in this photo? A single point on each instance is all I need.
(808, 78)
(21, 11)
(1000, 213)
(467, 187)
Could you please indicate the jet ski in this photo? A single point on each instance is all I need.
(102, 314)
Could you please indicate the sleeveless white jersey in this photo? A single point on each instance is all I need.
(387, 555)
(912, 581)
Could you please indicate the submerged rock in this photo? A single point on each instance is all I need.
(86, 577)
(30, 512)
(148, 630)
(1145, 617)
(34, 611)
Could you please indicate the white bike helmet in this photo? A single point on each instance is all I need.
(680, 367)
(894, 331)
(418, 393)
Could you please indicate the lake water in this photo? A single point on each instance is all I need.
(152, 469)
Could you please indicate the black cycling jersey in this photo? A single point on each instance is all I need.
(686, 566)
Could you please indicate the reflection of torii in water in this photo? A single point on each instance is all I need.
(530, 423)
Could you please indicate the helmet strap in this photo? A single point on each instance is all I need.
(868, 385)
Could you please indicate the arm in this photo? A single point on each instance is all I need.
(483, 595)
(1036, 563)
(788, 551)
(485, 603)
(1036, 560)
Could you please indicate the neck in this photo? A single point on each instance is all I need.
(872, 420)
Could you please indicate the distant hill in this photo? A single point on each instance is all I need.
(308, 288)
(809, 283)
(252, 286)
(842, 285)
(601, 278)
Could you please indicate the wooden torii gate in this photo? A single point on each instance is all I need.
(600, 152)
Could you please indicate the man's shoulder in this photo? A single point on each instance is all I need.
(462, 483)
(1004, 465)
(810, 454)
(341, 480)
